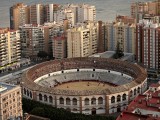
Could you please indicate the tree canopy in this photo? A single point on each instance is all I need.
(119, 53)
(48, 111)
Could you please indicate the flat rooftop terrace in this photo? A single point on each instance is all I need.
(5, 87)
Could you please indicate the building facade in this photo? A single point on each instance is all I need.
(147, 44)
(42, 82)
(32, 40)
(82, 40)
(122, 34)
(59, 46)
(144, 106)
(10, 49)
(37, 14)
(101, 43)
(10, 102)
(19, 15)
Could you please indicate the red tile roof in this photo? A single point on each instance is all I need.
(150, 101)
(132, 116)
(154, 85)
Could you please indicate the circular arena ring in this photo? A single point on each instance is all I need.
(85, 85)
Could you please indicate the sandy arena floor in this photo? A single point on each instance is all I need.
(83, 85)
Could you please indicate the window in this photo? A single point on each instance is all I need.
(74, 101)
(24, 91)
(93, 101)
(50, 99)
(40, 96)
(61, 100)
(112, 99)
(131, 93)
(68, 101)
(135, 91)
(45, 98)
(138, 91)
(30, 94)
(100, 100)
(27, 93)
(124, 97)
(118, 98)
(86, 101)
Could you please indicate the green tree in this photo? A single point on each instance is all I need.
(119, 53)
(42, 54)
(48, 111)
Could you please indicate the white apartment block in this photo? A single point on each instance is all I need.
(86, 12)
(64, 14)
(122, 33)
(9, 49)
(75, 13)
(10, 102)
(49, 12)
(78, 42)
(82, 40)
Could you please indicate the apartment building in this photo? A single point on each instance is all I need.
(122, 34)
(37, 14)
(147, 44)
(82, 40)
(9, 49)
(10, 102)
(32, 40)
(86, 12)
(64, 14)
(19, 15)
(75, 13)
(140, 9)
(125, 19)
(78, 42)
(50, 9)
(59, 46)
(101, 43)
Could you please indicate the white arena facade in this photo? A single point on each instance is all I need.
(85, 85)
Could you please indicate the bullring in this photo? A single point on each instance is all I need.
(85, 85)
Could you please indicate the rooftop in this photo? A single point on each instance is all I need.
(5, 87)
(144, 107)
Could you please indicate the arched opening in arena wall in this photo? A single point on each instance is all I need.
(45, 98)
(30, 94)
(24, 91)
(74, 101)
(118, 98)
(50, 99)
(135, 91)
(61, 100)
(40, 96)
(27, 93)
(93, 101)
(112, 99)
(86, 101)
(124, 97)
(93, 111)
(100, 100)
(68, 101)
(138, 90)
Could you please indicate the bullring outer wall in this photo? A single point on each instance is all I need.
(107, 101)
